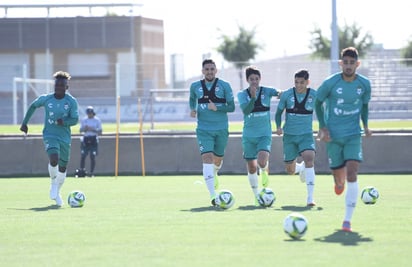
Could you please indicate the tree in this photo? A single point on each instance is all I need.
(240, 49)
(407, 53)
(350, 35)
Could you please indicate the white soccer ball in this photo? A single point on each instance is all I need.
(370, 195)
(266, 197)
(225, 199)
(295, 225)
(76, 199)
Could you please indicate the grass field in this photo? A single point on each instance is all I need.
(190, 126)
(167, 221)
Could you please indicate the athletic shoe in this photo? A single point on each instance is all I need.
(346, 226)
(302, 175)
(214, 201)
(265, 178)
(59, 200)
(311, 204)
(257, 202)
(339, 187)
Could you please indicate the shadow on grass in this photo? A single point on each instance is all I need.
(344, 238)
(252, 207)
(300, 208)
(46, 208)
(203, 209)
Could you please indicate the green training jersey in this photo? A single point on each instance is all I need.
(297, 122)
(208, 119)
(256, 119)
(344, 101)
(54, 109)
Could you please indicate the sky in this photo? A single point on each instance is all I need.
(193, 28)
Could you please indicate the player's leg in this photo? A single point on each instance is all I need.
(250, 155)
(220, 143)
(62, 173)
(307, 146)
(206, 144)
(83, 155)
(290, 153)
(337, 164)
(353, 157)
(52, 149)
(309, 158)
(264, 146)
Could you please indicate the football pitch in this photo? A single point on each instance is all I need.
(168, 221)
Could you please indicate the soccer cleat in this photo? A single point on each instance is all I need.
(311, 204)
(59, 200)
(257, 202)
(214, 201)
(265, 178)
(346, 226)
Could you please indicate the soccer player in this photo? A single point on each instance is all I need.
(342, 101)
(210, 100)
(61, 112)
(91, 127)
(299, 103)
(257, 128)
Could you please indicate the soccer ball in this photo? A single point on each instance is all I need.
(295, 225)
(225, 199)
(370, 195)
(266, 197)
(76, 199)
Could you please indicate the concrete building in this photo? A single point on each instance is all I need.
(93, 49)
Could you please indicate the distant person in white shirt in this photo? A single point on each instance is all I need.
(91, 127)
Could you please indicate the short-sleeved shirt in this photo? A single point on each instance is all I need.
(297, 124)
(344, 101)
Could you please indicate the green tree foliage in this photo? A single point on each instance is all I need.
(349, 35)
(240, 49)
(406, 53)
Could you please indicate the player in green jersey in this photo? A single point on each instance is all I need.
(61, 112)
(257, 128)
(210, 100)
(299, 103)
(342, 101)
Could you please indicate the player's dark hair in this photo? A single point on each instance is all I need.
(62, 75)
(251, 70)
(349, 52)
(302, 74)
(208, 61)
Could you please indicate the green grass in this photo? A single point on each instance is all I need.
(190, 126)
(167, 221)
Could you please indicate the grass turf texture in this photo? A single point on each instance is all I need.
(167, 221)
(190, 126)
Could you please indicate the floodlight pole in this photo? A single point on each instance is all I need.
(334, 48)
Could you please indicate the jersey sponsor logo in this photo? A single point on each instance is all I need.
(339, 90)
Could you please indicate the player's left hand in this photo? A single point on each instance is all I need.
(59, 122)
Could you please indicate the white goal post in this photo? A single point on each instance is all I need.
(27, 84)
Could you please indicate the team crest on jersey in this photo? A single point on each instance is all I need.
(66, 106)
(359, 90)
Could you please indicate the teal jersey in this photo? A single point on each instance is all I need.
(297, 123)
(209, 119)
(343, 103)
(257, 123)
(54, 109)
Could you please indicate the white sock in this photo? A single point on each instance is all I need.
(209, 178)
(351, 199)
(310, 182)
(254, 183)
(299, 167)
(217, 168)
(53, 171)
(61, 176)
